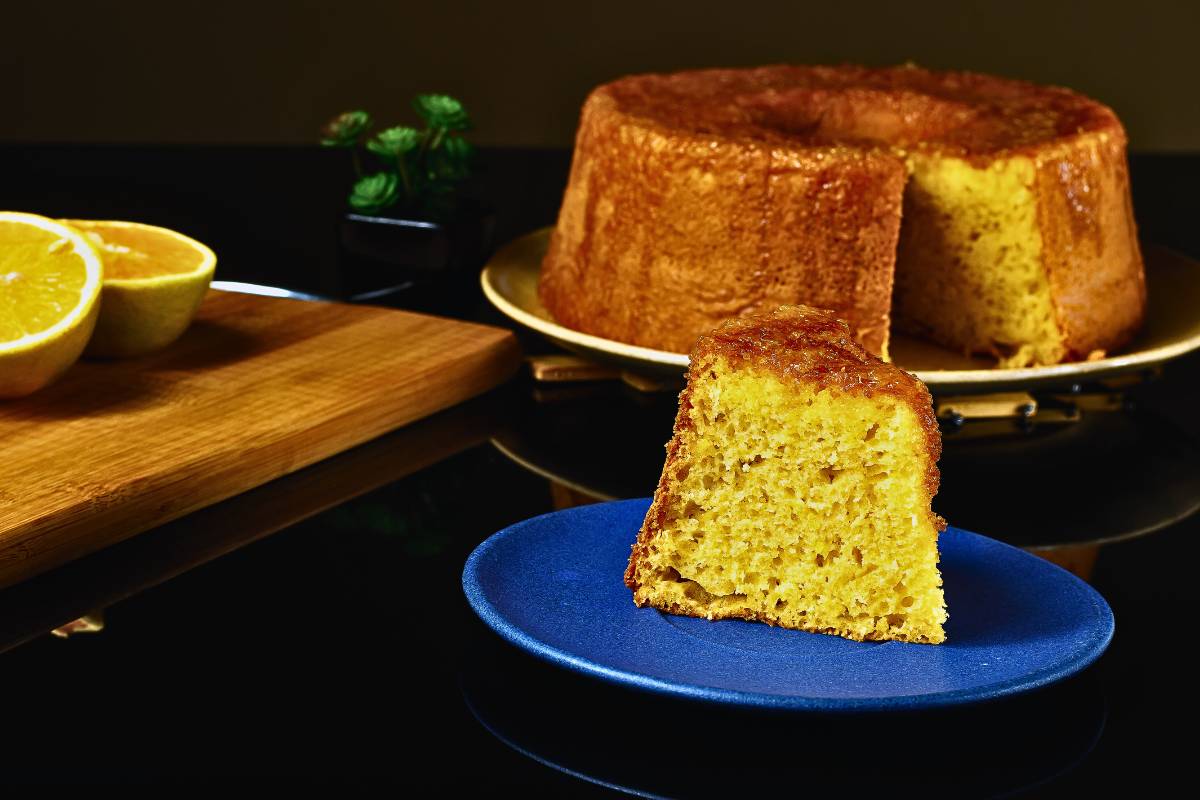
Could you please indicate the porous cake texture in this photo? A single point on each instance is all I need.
(797, 487)
(987, 214)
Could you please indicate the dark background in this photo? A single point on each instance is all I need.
(272, 71)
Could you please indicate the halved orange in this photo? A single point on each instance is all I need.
(50, 279)
(154, 281)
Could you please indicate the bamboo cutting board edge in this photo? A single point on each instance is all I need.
(115, 573)
(36, 542)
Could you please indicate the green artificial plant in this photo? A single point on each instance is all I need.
(418, 167)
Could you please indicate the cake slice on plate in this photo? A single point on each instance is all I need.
(797, 487)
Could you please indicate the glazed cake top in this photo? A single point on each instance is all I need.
(812, 347)
(905, 106)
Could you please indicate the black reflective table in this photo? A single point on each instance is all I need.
(314, 630)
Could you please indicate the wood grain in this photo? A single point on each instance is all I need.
(257, 388)
(33, 607)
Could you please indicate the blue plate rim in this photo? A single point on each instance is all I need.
(492, 616)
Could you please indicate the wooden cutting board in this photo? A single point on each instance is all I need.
(258, 387)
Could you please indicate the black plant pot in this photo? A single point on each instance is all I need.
(394, 259)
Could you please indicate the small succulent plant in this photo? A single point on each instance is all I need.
(418, 167)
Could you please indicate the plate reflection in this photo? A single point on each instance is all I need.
(659, 747)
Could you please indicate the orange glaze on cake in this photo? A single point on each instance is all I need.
(699, 196)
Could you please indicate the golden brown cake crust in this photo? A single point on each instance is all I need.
(666, 231)
(1090, 245)
(699, 196)
(798, 344)
(961, 113)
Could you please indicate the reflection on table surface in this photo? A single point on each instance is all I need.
(655, 746)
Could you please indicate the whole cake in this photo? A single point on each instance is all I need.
(990, 215)
(797, 487)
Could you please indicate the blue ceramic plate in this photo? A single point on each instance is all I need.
(553, 586)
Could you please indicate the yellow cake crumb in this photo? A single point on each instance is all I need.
(797, 503)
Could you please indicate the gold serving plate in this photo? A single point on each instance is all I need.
(1172, 328)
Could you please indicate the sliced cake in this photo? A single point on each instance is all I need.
(797, 487)
(990, 215)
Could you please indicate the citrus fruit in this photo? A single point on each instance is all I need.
(154, 280)
(50, 279)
